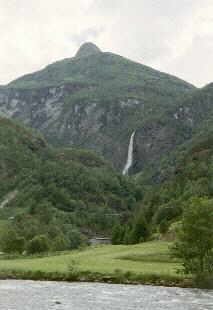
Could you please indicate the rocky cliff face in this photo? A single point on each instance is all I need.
(96, 100)
(91, 125)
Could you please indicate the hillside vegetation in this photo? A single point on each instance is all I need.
(192, 178)
(64, 195)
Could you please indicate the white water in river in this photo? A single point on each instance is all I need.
(130, 154)
(30, 295)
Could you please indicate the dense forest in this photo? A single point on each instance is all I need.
(63, 195)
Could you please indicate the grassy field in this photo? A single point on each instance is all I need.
(129, 263)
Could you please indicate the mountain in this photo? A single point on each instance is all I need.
(74, 187)
(95, 101)
(192, 178)
(198, 109)
(185, 123)
(87, 49)
(187, 172)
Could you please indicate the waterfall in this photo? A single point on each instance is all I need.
(130, 154)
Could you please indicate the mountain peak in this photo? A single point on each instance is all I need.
(87, 49)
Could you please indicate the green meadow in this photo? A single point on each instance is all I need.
(148, 263)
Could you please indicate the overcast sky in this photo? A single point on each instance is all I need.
(174, 36)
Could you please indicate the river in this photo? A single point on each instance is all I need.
(37, 295)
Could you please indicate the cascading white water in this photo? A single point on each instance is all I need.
(130, 154)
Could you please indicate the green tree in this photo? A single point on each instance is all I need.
(127, 235)
(60, 243)
(140, 230)
(38, 244)
(117, 234)
(163, 227)
(11, 242)
(75, 239)
(194, 243)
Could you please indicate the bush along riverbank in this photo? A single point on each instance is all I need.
(118, 277)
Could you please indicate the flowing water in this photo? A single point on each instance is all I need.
(31, 295)
(130, 154)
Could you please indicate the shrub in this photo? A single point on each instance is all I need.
(60, 243)
(11, 242)
(38, 244)
(194, 243)
(140, 230)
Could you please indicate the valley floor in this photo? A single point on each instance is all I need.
(146, 263)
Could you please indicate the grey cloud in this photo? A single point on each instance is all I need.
(192, 66)
(87, 35)
(159, 33)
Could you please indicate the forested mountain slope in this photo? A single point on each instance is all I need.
(163, 204)
(74, 187)
(180, 126)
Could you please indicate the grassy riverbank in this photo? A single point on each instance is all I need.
(146, 263)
